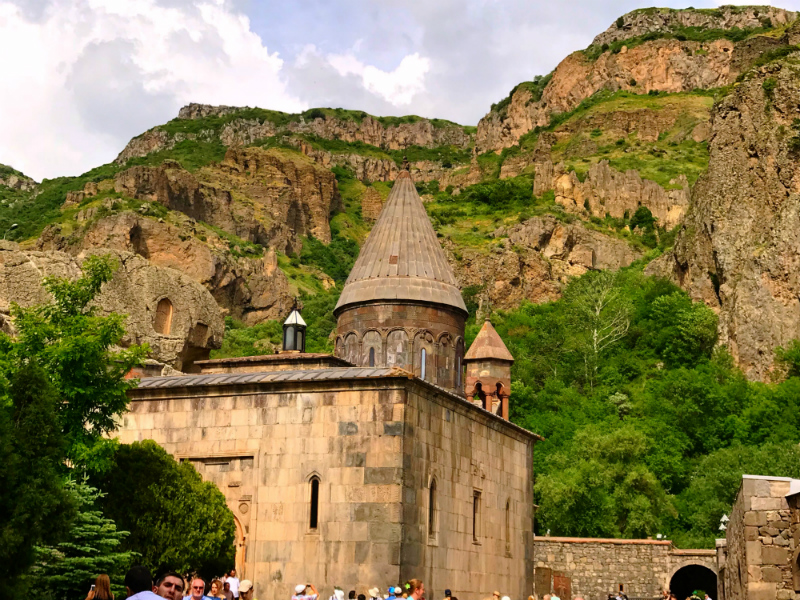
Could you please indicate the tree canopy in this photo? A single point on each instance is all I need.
(176, 520)
(648, 425)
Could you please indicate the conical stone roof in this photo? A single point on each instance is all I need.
(402, 259)
(488, 344)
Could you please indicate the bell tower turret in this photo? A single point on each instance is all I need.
(488, 381)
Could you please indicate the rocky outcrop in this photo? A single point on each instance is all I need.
(370, 168)
(252, 290)
(662, 65)
(371, 205)
(573, 243)
(666, 20)
(606, 191)
(270, 197)
(539, 257)
(246, 130)
(738, 249)
(195, 324)
(16, 181)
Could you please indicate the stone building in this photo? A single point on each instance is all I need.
(369, 467)
(401, 305)
(758, 559)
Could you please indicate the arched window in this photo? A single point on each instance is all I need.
(458, 373)
(163, 320)
(313, 519)
(423, 355)
(432, 510)
(372, 357)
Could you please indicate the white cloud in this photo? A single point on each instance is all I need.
(397, 87)
(80, 78)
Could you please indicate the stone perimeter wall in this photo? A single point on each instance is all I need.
(594, 568)
(762, 542)
(373, 444)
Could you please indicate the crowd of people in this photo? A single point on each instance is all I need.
(170, 585)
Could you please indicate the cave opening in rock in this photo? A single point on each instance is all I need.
(693, 578)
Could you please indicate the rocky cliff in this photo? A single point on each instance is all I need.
(269, 197)
(672, 64)
(608, 192)
(738, 249)
(535, 259)
(195, 324)
(243, 126)
(666, 20)
(14, 180)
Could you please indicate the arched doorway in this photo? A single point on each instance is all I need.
(690, 578)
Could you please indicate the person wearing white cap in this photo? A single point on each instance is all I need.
(246, 590)
(300, 592)
(374, 594)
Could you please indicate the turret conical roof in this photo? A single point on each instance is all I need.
(402, 259)
(488, 344)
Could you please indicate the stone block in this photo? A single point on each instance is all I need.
(383, 475)
(771, 574)
(761, 591)
(779, 489)
(393, 429)
(754, 573)
(773, 555)
(758, 503)
(753, 551)
(755, 518)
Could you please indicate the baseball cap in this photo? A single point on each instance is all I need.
(374, 592)
(448, 593)
(298, 589)
(245, 586)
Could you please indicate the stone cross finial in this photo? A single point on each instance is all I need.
(406, 166)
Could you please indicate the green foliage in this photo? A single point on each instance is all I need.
(336, 259)
(176, 520)
(768, 86)
(643, 218)
(620, 22)
(691, 34)
(74, 346)
(241, 340)
(36, 508)
(789, 358)
(654, 434)
(535, 87)
(191, 154)
(447, 155)
(5, 171)
(93, 546)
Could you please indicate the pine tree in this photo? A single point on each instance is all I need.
(92, 547)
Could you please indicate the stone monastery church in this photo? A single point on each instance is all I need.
(393, 459)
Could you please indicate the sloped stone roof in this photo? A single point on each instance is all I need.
(488, 344)
(402, 259)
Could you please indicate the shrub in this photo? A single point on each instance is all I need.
(620, 23)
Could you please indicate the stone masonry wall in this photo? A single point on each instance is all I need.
(462, 455)
(593, 568)
(762, 541)
(348, 436)
(373, 444)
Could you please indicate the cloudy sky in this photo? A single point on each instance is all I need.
(81, 77)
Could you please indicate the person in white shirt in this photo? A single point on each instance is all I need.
(139, 584)
(234, 581)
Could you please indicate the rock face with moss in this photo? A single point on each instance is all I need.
(539, 257)
(664, 21)
(242, 126)
(608, 192)
(269, 197)
(738, 249)
(195, 323)
(670, 64)
(251, 289)
(14, 180)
